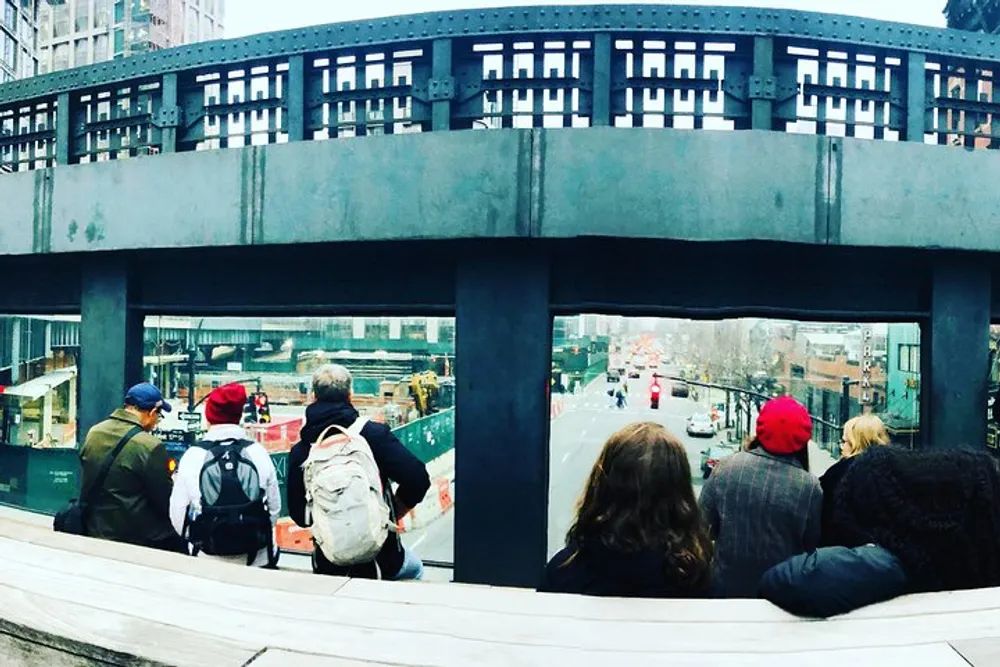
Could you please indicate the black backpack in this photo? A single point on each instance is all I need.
(234, 518)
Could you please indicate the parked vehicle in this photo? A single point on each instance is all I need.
(711, 457)
(614, 376)
(701, 424)
(680, 390)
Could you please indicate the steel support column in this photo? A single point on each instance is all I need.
(955, 357)
(110, 339)
(504, 346)
(603, 53)
(295, 97)
(169, 105)
(443, 76)
(762, 108)
(916, 97)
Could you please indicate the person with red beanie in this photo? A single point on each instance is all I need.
(762, 505)
(225, 437)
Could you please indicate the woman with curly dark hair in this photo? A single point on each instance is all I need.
(937, 511)
(638, 531)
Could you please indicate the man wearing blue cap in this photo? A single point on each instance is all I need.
(133, 503)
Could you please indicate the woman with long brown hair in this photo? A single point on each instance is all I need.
(638, 531)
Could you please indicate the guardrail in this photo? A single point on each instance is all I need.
(597, 65)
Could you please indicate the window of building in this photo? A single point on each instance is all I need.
(119, 11)
(119, 42)
(60, 57)
(377, 328)
(81, 21)
(101, 13)
(8, 49)
(909, 358)
(10, 15)
(100, 48)
(414, 329)
(27, 64)
(45, 25)
(80, 53)
(60, 21)
(191, 34)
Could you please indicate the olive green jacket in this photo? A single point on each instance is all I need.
(134, 505)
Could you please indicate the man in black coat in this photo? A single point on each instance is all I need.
(332, 389)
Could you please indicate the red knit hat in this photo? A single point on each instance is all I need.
(225, 404)
(784, 426)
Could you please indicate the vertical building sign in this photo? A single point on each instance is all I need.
(867, 359)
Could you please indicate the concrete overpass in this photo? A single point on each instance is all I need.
(822, 166)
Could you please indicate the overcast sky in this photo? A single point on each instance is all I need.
(247, 17)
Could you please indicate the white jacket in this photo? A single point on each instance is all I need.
(185, 500)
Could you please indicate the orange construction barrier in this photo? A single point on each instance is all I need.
(289, 537)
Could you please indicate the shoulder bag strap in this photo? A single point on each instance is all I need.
(110, 459)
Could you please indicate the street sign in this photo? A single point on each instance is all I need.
(867, 360)
(189, 417)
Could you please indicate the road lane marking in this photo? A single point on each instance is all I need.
(566, 456)
(419, 542)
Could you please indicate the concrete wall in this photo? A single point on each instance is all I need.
(554, 184)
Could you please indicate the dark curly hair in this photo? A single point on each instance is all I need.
(938, 511)
(639, 497)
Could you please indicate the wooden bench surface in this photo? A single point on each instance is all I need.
(72, 601)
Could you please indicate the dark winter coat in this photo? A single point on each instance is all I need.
(601, 571)
(134, 505)
(937, 511)
(830, 481)
(761, 508)
(395, 462)
(834, 580)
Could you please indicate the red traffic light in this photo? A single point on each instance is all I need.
(655, 389)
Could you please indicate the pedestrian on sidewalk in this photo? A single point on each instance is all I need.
(762, 505)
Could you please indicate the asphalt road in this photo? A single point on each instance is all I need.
(575, 441)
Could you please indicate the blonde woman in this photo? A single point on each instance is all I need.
(860, 433)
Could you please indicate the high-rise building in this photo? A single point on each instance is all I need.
(18, 39)
(82, 32)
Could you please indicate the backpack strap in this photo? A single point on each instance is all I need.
(358, 425)
(353, 431)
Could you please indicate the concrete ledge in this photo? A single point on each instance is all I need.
(73, 601)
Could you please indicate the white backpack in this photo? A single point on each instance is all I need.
(345, 502)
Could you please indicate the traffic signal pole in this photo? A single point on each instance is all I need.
(745, 393)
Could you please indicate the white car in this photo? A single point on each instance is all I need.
(701, 425)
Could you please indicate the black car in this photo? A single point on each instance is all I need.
(680, 390)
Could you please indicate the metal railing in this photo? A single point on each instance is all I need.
(668, 66)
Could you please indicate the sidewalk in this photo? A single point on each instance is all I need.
(820, 460)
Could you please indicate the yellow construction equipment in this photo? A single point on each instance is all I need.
(424, 389)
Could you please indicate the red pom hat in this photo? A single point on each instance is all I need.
(225, 404)
(784, 426)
